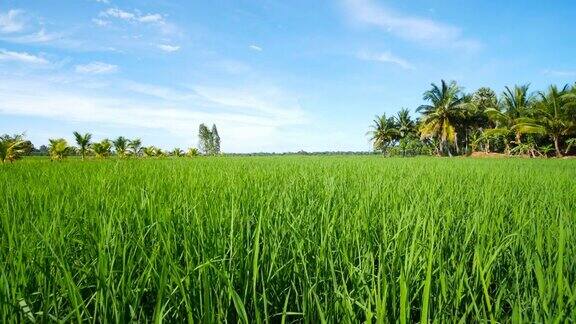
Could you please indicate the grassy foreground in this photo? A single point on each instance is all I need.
(288, 239)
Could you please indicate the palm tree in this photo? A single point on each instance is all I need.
(441, 116)
(404, 123)
(12, 147)
(121, 145)
(192, 152)
(135, 146)
(83, 142)
(177, 152)
(383, 133)
(513, 117)
(553, 115)
(150, 151)
(102, 149)
(58, 149)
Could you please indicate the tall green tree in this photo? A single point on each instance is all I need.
(404, 123)
(83, 142)
(215, 140)
(383, 132)
(440, 117)
(121, 146)
(204, 139)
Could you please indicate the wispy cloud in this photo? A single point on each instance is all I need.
(97, 68)
(416, 29)
(135, 16)
(11, 21)
(255, 48)
(386, 57)
(22, 57)
(168, 48)
(560, 73)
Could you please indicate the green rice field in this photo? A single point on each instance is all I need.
(288, 239)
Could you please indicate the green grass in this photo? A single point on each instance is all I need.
(284, 239)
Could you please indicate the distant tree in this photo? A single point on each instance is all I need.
(383, 133)
(149, 151)
(177, 152)
(12, 147)
(83, 142)
(553, 119)
(121, 146)
(215, 140)
(192, 152)
(441, 117)
(102, 149)
(58, 149)
(135, 146)
(404, 123)
(204, 139)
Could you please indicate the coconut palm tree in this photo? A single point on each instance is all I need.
(383, 132)
(553, 115)
(58, 149)
(404, 123)
(121, 146)
(135, 146)
(513, 117)
(12, 147)
(440, 117)
(83, 142)
(192, 152)
(150, 151)
(177, 152)
(102, 149)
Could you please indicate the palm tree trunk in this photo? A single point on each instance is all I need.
(456, 143)
(557, 147)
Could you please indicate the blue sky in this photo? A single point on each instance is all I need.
(273, 75)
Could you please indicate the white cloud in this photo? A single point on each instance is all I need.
(97, 68)
(255, 48)
(386, 57)
(168, 48)
(421, 30)
(560, 73)
(249, 119)
(135, 16)
(22, 57)
(101, 22)
(12, 21)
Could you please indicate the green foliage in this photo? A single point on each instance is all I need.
(13, 148)
(289, 239)
(83, 142)
(59, 149)
(192, 152)
(102, 149)
(135, 147)
(121, 146)
(208, 140)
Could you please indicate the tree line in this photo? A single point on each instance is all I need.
(16, 146)
(452, 122)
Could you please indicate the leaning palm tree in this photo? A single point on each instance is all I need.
(440, 117)
(102, 149)
(83, 142)
(58, 149)
(12, 147)
(383, 133)
(121, 146)
(135, 146)
(553, 115)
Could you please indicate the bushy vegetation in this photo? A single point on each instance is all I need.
(453, 122)
(336, 239)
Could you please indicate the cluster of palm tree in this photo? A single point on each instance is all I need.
(120, 147)
(453, 122)
(13, 147)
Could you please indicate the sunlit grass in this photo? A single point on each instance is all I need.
(288, 239)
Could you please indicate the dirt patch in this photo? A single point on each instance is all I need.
(488, 155)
